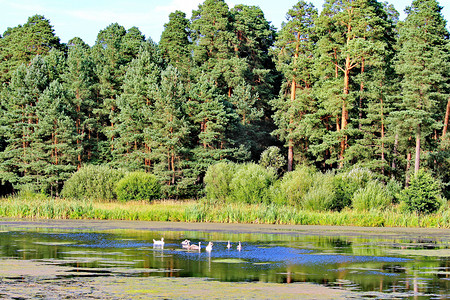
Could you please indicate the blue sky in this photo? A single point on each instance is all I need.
(85, 18)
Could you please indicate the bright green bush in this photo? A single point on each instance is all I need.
(93, 182)
(423, 194)
(347, 183)
(138, 186)
(217, 180)
(251, 182)
(373, 196)
(272, 158)
(321, 195)
(294, 186)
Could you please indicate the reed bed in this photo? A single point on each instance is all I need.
(202, 211)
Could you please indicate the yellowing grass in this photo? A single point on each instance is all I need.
(198, 211)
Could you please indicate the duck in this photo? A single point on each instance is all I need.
(239, 246)
(229, 245)
(195, 247)
(158, 243)
(209, 247)
(185, 243)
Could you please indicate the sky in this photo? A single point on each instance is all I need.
(85, 18)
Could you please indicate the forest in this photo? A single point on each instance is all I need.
(351, 88)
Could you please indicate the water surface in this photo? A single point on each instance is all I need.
(390, 264)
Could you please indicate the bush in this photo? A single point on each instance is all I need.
(423, 194)
(346, 184)
(321, 195)
(373, 196)
(272, 158)
(93, 182)
(294, 186)
(217, 180)
(138, 186)
(251, 183)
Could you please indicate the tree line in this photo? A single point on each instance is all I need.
(351, 86)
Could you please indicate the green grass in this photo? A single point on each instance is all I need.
(200, 211)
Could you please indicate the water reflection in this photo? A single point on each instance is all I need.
(378, 267)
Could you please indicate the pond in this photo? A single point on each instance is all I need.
(376, 263)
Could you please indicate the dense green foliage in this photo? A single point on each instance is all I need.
(359, 100)
(138, 186)
(423, 195)
(93, 182)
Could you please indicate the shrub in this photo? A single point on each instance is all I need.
(321, 195)
(272, 158)
(346, 184)
(217, 180)
(251, 183)
(138, 186)
(294, 185)
(423, 194)
(373, 196)
(93, 182)
(394, 189)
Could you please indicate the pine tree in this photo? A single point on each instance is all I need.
(423, 62)
(168, 132)
(374, 101)
(294, 59)
(20, 44)
(19, 159)
(175, 43)
(54, 140)
(254, 37)
(135, 108)
(214, 121)
(349, 32)
(79, 80)
(113, 51)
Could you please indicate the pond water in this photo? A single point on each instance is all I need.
(398, 266)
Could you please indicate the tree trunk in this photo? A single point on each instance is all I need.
(417, 158)
(382, 137)
(291, 142)
(395, 152)
(447, 113)
(408, 166)
(361, 90)
(344, 118)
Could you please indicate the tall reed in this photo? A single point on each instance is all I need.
(204, 211)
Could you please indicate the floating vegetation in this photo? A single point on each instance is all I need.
(229, 261)
(421, 252)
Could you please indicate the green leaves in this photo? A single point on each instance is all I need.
(423, 194)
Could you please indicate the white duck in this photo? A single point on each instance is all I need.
(229, 245)
(239, 246)
(209, 247)
(195, 247)
(158, 243)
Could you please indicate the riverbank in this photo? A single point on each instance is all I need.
(202, 212)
